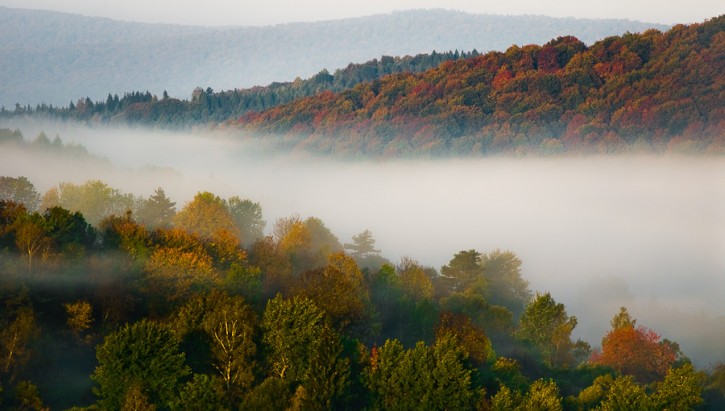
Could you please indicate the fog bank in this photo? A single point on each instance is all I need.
(597, 232)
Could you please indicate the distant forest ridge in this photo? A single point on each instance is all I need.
(649, 91)
(643, 92)
(207, 106)
(56, 57)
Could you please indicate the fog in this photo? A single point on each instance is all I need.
(596, 232)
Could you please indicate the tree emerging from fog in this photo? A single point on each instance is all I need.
(202, 311)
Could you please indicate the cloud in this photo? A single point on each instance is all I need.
(597, 232)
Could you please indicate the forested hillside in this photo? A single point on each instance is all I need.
(55, 58)
(112, 301)
(649, 91)
(207, 106)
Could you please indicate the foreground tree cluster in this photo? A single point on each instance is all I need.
(143, 306)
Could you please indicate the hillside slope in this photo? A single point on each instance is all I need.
(53, 58)
(649, 91)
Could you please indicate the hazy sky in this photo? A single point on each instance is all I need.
(256, 12)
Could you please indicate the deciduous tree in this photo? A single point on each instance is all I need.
(624, 394)
(546, 325)
(422, 377)
(19, 190)
(95, 200)
(31, 239)
(638, 352)
(463, 272)
(506, 287)
(230, 324)
(204, 215)
(337, 288)
(306, 351)
(681, 389)
(144, 354)
(17, 329)
(248, 218)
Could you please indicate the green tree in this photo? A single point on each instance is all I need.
(31, 239)
(19, 190)
(431, 378)
(463, 272)
(271, 395)
(495, 319)
(248, 218)
(506, 287)
(338, 289)
(363, 250)
(543, 395)
(591, 397)
(328, 374)
(157, 211)
(623, 319)
(505, 399)
(136, 400)
(625, 394)
(414, 281)
(95, 200)
(451, 389)
(230, 324)
(291, 332)
(126, 235)
(305, 350)
(681, 390)
(471, 338)
(546, 325)
(145, 354)
(70, 232)
(508, 374)
(201, 393)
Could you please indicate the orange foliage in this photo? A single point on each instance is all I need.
(631, 91)
(637, 352)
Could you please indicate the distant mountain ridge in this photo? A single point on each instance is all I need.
(647, 92)
(51, 57)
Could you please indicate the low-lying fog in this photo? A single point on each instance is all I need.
(597, 232)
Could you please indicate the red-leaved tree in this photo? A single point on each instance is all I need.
(636, 351)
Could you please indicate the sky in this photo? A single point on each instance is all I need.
(270, 12)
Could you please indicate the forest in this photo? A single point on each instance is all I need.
(66, 56)
(114, 301)
(642, 92)
(648, 92)
(207, 106)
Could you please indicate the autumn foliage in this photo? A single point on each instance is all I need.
(648, 91)
(636, 351)
(176, 318)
